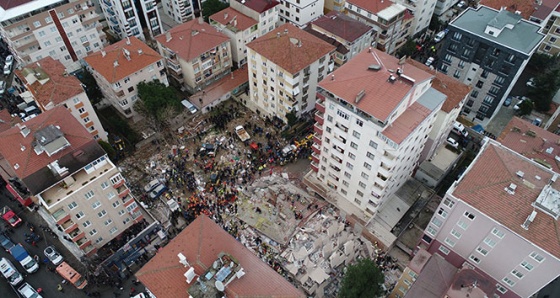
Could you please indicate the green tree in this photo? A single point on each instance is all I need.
(543, 61)
(156, 99)
(292, 118)
(210, 7)
(362, 280)
(108, 149)
(546, 85)
(525, 108)
(408, 48)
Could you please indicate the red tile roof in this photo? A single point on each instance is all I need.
(373, 6)
(59, 87)
(292, 51)
(532, 145)
(407, 122)
(201, 242)
(259, 6)
(192, 39)
(141, 56)
(28, 161)
(234, 18)
(7, 121)
(455, 90)
(341, 25)
(219, 88)
(381, 97)
(483, 187)
(527, 8)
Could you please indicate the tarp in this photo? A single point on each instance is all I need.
(478, 128)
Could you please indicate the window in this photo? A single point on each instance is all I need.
(351, 155)
(537, 257)
(474, 258)
(81, 110)
(72, 205)
(349, 165)
(437, 222)
(89, 195)
(95, 205)
(92, 232)
(361, 184)
(469, 215)
(359, 193)
(474, 93)
(364, 175)
(367, 166)
(86, 224)
(444, 249)
(509, 281)
(86, 119)
(42, 33)
(517, 273)
(356, 134)
(357, 201)
(527, 265)
(329, 118)
(483, 251)
(442, 212)
(360, 122)
(457, 74)
(99, 240)
(116, 204)
(501, 288)
(479, 84)
(108, 222)
(498, 233)
(490, 242)
(113, 230)
(346, 174)
(47, 43)
(449, 203)
(456, 233)
(122, 212)
(430, 230)
(353, 145)
(370, 155)
(102, 213)
(80, 215)
(110, 195)
(373, 144)
(449, 242)
(104, 184)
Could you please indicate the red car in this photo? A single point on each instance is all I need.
(10, 216)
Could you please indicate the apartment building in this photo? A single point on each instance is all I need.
(284, 68)
(500, 219)
(349, 35)
(68, 174)
(50, 86)
(240, 29)
(300, 12)
(65, 30)
(392, 21)
(180, 11)
(442, 6)
(196, 54)
(128, 18)
(373, 117)
(119, 68)
(488, 49)
(265, 12)
(422, 12)
(551, 42)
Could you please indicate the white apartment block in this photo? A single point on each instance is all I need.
(126, 17)
(422, 11)
(442, 6)
(265, 12)
(300, 12)
(180, 11)
(68, 173)
(65, 30)
(118, 68)
(373, 117)
(241, 30)
(284, 68)
(50, 86)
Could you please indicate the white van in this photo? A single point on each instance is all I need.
(460, 129)
(189, 106)
(10, 272)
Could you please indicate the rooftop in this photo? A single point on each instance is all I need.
(202, 243)
(342, 26)
(532, 142)
(467, 283)
(192, 39)
(340, 48)
(381, 97)
(12, 8)
(507, 187)
(219, 88)
(373, 6)
(32, 156)
(401, 128)
(455, 90)
(233, 19)
(119, 60)
(518, 34)
(49, 82)
(526, 8)
(259, 6)
(290, 47)
(434, 279)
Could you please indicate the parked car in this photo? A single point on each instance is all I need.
(158, 191)
(53, 255)
(440, 35)
(531, 83)
(508, 101)
(2, 87)
(461, 4)
(452, 142)
(6, 242)
(9, 60)
(520, 102)
(150, 186)
(187, 104)
(429, 61)
(27, 291)
(460, 129)
(7, 69)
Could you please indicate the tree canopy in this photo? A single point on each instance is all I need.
(156, 99)
(210, 7)
(362, 280)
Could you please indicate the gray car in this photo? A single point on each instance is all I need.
(53, 255)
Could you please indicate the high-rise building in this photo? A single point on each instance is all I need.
(374, 114)
(265, 12)
(64, 30)
(488, 49)
(422, 12)
(300, 12)
(128, 18)
(180, 11)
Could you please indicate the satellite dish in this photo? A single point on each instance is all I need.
(219, 286)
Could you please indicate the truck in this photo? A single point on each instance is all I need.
(10, 216)
(22, 256)
(242, 133)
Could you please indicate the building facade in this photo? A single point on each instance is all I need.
(300, 12)
(551, 42)
(422, 11)
(50, 86)
(65, 30)
(127, 18)
(442, 6)
(70, 176)
(284, 68)
(392, 21)
(373, 117)
(196, 54)
(500, 219)
(487, 49)
(180, 11)
(120, 67)
(241, 30)
(265, 12)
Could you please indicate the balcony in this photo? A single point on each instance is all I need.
(320, 105)
(113, 20)
(73, 226)
(318, 128)
(77, 235)
(319, 117)
(314, 167)
(315, 158)
(317, 139)
(341, 127)
(124, 192)
(119, 184)
(316, 149)
(110, 11)
(84, 243)
(384, 172)
(108, 3)
(388, 156)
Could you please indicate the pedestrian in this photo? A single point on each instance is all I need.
(59, 288)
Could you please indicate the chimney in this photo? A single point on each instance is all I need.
(103, 53)
(168, 36)
(200, 20)
(139, 51)
(225, 16)
(116, 63)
